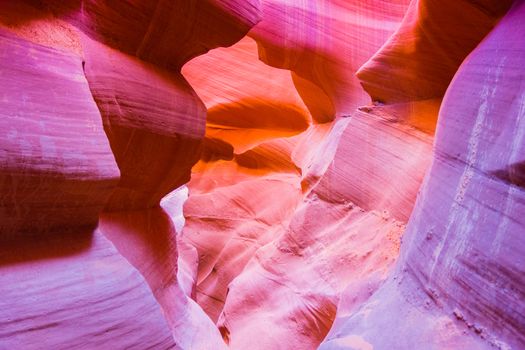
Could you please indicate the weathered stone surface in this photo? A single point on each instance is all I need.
(312, 147)
(55, 160)
(154, 122)
(459, 281)
(75, 291)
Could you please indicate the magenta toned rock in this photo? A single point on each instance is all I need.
(262, 174)
(147, 238)
(154, 122)
(459, 283)
(471, 230)
(56, 163)
(75, 292)
(420, 59)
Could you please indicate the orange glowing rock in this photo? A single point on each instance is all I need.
(345, 233)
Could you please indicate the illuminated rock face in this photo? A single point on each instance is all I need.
(323, 44)
(101, 124)
(458, 282)
(332, 174)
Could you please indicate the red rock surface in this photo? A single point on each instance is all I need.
(324, 43)
(262, 174)
(163, 32)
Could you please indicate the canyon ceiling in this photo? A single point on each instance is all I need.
(262, 174)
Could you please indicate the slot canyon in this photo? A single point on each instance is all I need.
(262, 174)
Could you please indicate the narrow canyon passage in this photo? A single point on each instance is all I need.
(266, 228)
(262, 174)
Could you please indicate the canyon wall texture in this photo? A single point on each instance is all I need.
(262, 174)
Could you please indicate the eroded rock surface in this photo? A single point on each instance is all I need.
(262, 174)
(457, 284)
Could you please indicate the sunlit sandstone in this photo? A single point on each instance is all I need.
(262, 174)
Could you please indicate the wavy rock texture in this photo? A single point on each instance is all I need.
(458, 284)
(63, 284)
(153, 120)
(419, 60)
(154, 149)
(244, 166)
(340, 235)
(49, 174)
(147, 238)
(324, 43)
(262, 174)
(163, 32)
(75, 291)
(247, 158)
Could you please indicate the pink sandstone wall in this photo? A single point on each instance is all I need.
(262, 174)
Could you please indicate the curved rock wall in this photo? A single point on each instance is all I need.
(50, 174)
(324, 43)
(458, 281)
(61, 172)
(420, 59)
(262, 174)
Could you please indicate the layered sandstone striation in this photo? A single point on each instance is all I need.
(262, 174)
(49, 173)
(108, 65)
(457, 283)
(63, 283)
